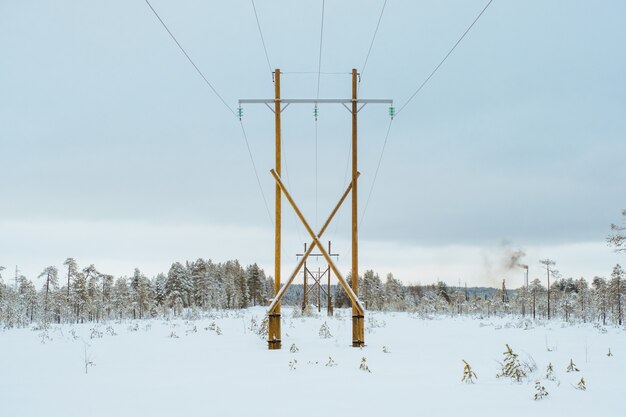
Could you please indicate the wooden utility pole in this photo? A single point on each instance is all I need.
(329, 306)
(274, 341)
(358, 331)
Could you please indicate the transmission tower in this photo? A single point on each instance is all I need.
(353, 105)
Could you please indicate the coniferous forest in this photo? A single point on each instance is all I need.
(84, 294)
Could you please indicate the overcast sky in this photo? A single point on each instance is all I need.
(114, 151)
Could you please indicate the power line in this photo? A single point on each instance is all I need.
(369, 51)
(191, 60)
(284, 151)
(256, 173)
(382, 152)
(245, 136)
(319, 70)
(293, 214)
(444, 58)
(269, 66)
(319, 64)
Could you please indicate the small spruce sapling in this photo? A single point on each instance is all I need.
(253, 325)
(468, 373)
(540, 391)
(331, 362)
(293, 348)
(572, 367)
(325, 331)
(581, 385)
(263, 327)
(363, 367)
(292, 364)
(386, 349)
(511, 367)
(95, 333)
(609, 354)
(44, 337)
(550, 372)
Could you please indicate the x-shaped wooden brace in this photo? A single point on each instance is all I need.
(316, 242)
(316, 280)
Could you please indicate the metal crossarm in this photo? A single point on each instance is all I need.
(314, 101)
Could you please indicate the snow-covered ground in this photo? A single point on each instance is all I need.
(416, 366)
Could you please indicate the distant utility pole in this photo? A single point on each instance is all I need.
(16, 277)
(277, 105)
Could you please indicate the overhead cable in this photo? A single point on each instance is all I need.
(245, 136)
(191, 60)
(258, 24)
(444, 58)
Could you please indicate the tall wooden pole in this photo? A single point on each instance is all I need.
(305, 300)
(357, 317)
(319, 289)
(329, 306)
(274, 341)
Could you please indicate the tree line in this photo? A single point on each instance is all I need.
(78, 295)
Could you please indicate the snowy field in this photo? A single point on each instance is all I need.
(218, 365)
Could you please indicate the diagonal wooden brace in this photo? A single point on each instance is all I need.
(283, 289)
(355, 300)
(317, 281)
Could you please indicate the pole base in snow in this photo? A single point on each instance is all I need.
(274, 344)
(273, 337)
(358, 330)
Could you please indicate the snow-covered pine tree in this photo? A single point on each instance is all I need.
(215, 279)
(27, 305)
(582, 288)
(600, 298)
(512, 367)
(325, 331)
(160, 292)
(255, 284)
(363, 366)
(51, 281)
(468, 373)
(79, 296)
(371, 290)
(120, 298)
(176, 287)
(200, 282)
(241, 288)
(540, 391)
(394, 294)
(536, 292)
(616, 294)
(550, 372)
(572, 367)
(107, 295)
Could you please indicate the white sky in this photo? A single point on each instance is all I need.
(114, 151)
